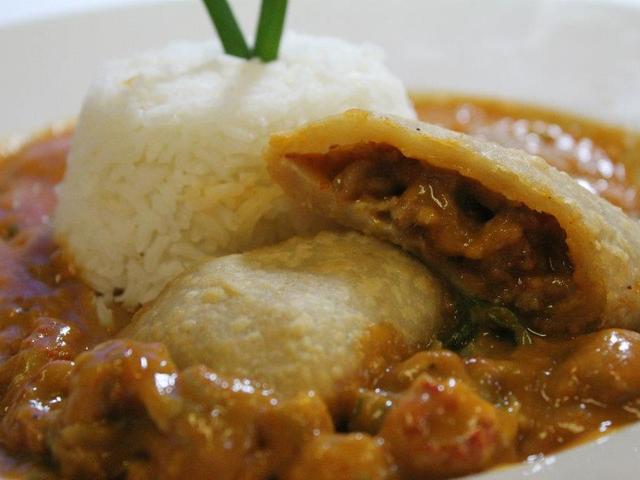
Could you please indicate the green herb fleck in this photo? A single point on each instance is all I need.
(505, 318)
(475, 314)
(12, 231)
(462, 336)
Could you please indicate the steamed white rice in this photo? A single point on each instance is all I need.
(166, 169)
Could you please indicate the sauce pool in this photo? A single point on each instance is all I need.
(604, 159)
(75, 402)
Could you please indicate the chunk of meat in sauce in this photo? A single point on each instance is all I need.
(603, 367)
(439, 364)
(443, 429)
(32, 411)
(130, 412)
(562, 391)
(116, 380)
(343, 457)
(286, 428)
(34, 381)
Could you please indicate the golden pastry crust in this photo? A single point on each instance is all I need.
(603, 243)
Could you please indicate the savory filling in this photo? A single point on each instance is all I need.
(486, 246)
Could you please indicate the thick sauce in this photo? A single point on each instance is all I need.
(603, 158)
(77, 403)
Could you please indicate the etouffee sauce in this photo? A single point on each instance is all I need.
(78, 403)
(603, 158)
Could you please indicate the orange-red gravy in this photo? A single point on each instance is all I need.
(604, 159)
(75, 406)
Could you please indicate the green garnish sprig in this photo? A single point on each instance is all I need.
(477, 314)
(269, 31)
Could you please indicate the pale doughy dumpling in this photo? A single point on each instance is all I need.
(295, 316)
(499, 224)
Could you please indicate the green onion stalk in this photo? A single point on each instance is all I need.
(269, 30)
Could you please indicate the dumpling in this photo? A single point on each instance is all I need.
(306, 314)
(500, 225)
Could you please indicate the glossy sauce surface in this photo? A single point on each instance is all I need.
(78, 403)
(603, 158)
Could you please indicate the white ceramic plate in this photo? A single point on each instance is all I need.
(578, 55)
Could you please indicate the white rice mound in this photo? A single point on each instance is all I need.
(165, 167)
